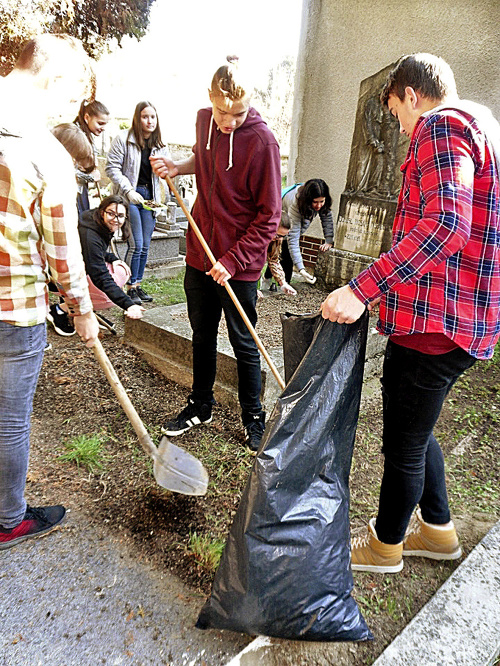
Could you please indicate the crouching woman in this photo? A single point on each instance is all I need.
(106, 271)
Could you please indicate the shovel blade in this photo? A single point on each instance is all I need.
(177, 470)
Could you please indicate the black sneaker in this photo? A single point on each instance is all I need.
(132, 293)
(273, 286)
(36, 522)
(60, 321)
(254, 430)
(143, 296)
(194, 414)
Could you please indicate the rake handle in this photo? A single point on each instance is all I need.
(228, 287)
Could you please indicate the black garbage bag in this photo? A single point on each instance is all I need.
(285, 571)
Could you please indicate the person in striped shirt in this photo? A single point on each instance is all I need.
(38, 239)
(439, 293)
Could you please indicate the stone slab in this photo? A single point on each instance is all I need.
(460, 625)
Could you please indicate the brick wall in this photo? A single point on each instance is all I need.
(309, 247)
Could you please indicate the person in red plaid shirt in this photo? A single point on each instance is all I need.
(38, 237)
(439, 293)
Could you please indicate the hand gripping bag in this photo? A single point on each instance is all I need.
(285, 571)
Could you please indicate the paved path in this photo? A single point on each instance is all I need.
(77, 598)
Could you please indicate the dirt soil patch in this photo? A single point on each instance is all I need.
(74, 398)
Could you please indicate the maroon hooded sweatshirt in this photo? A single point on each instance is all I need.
(238, 207)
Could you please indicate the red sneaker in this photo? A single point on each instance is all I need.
(36, 522)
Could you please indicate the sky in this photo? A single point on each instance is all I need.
(172, 66)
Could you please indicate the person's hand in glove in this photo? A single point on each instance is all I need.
(135, 198)
(287, 289)
(307, 276)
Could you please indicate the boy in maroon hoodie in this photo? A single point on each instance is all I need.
(237, 164)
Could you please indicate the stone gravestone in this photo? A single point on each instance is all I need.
(368, 203)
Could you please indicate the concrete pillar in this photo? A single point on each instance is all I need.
(345, 41)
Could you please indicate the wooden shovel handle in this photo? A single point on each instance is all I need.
(228, 287)
(129, 409)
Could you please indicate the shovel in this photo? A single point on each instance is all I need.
(228, 287)
(174, 468)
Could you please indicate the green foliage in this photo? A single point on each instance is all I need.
(86, 451)
(206, 551)
(95, 22)
(166, 291)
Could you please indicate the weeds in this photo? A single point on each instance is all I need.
(86, 451)
(206, 551)
(225, 462)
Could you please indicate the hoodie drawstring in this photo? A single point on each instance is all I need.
(230, 163)
(210, 131)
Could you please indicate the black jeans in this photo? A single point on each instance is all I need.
(206, 300)
(414, 386)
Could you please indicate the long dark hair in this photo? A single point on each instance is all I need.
(94, 108)
(154, 141)
(313, 189)
(113, 199)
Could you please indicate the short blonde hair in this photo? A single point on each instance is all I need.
(230, 82)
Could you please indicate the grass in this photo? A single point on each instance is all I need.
(166, 291)
(206, 551)
(86, 451)
(218, 455)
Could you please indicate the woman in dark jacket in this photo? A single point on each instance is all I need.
(96, 228)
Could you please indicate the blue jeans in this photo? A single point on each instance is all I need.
(414, 387)
(82, 200)
(21, 356)
(142, 222)
(205, 301)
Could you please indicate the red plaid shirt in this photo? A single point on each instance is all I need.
(442, 274)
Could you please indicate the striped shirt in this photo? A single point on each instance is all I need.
(442, 274)
(38, 229)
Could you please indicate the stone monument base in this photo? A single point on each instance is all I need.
(336, 267)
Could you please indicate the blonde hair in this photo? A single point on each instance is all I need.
(231, 82)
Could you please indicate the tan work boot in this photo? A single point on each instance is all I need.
(370, 554)
(439, 542)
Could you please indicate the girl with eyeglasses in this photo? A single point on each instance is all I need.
(107, 273)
